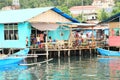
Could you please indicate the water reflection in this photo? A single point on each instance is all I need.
(70, 68)
(109, 68)
(10, 72)
(66, 68)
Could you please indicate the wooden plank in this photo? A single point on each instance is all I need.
(37, 63)
(37, 54)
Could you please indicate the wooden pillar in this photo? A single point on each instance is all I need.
(93, 41)
(46, 45)
(64, 53)
(80, 52)
(90, 51)
(59, 53)
(34, 52)
(68, 52)
(108, 47)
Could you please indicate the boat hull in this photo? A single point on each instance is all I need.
(14, 58)
(105, 52)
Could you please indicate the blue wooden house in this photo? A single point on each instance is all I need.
(17, 25)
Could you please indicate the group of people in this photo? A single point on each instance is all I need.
(81, 38)
(38, 40)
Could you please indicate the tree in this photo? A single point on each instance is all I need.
(64, 5)
(4, 3)
(64, 8)
(102, 15)
(116, 8)
(81, 18)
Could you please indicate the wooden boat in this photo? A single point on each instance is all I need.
(14, 58)
(105, 52)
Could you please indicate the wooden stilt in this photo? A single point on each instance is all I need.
(34, 52)
(64, 53)
(59, 53)
(108, 48)
(90, 51)
(68, 52)
(12, 51)
(2, 51)
(59, 62)
(80, 52)
(47, 54)
(46, 46)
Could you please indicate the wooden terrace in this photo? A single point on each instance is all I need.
(66, 46)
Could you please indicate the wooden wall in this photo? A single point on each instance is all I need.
(49, 16)
(113, 25)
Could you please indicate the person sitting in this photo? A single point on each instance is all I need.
(76, 39)
(38, 40)
(50, 39)
(50, 42)
(84, 40)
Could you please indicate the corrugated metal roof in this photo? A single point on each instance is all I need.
(78, 24)
(65, 15)
(16, 16)
(83, 8)
(114, 18)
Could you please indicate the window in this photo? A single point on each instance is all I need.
(11, 32)
(115, 32)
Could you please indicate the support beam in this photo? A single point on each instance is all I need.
(59, 53)
(68, 52)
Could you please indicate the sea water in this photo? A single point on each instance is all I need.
(65, 68)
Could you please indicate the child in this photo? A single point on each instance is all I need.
(26, 41)
(38, 40)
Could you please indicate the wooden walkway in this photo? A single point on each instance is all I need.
(46, 51)
(60, 47)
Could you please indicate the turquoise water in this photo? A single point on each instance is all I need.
(67, 68)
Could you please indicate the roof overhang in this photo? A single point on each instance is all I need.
(45, 26)
(78, 25)
(114, 18)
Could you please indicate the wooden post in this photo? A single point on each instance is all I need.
(108, 47)
(64, 53)
(59, 62)
(59, 53)
(69, 62)
(92, 36)
(46, 45)
(90, 51)
(80, 52)
(68, 52)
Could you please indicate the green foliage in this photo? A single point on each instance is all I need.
(116, 8)
(63, 5)
(81, 18)
(102, 15)
(64, 8)
(4, 3)
(116, 1)
(43, 3)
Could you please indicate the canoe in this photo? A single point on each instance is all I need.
(105, 52)
(14, 58)
(13, 67)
